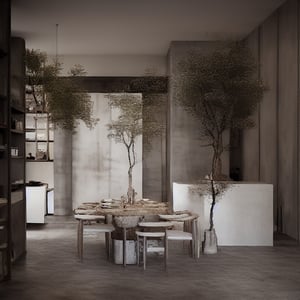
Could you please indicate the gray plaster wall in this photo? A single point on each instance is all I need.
(268, 107)
(100, 165)
(250, 149)
(187, 159)
(154, 157)
(88, 166)
(277, 135)
(63, 172)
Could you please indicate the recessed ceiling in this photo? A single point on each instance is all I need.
(132, 27)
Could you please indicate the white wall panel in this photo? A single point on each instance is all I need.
(99, 164)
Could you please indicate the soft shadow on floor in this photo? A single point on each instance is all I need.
(51, 270)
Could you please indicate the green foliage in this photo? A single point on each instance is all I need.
(129, 125)
(62, 97)
(137, 117)
(216, 189)
(221, 90)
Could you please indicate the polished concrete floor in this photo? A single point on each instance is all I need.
(51, 270)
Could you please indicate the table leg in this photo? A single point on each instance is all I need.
(138, 251)
(166, 249)
(80, 239)
(124, 247)
(145, 252)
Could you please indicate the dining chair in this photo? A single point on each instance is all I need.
(90, 223)
(151, 230)
(126, 222)
(188, 233)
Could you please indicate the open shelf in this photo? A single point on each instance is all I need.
(3, 201)
(17, 196)
(3, 98)
(39, 137)
(17, 131)
(39, 160)
(17, 109)
(3, 246)
(3, 53)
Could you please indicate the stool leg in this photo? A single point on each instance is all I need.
(138, 251)
(124, 247)
(108, 245)
(80, 239)
(3, 261)
(166, 250)
(145, 252)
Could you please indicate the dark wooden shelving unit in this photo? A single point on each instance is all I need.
(17, 146)
(39, 124)
(5, 195)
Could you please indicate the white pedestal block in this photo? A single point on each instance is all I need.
(243, 216)
(130, 252)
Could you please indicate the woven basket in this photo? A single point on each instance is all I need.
(127, 221)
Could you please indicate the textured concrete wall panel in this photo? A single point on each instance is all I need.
(99, 164)
(268, 107)
(63, 172)
(287, 116)
(250, 149)
(154, 160)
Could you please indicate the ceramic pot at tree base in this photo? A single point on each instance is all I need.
(210, 243)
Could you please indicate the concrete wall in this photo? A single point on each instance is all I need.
(33, 172)
(100, 165)
(273, 146)
(250, 149)
(63, 172)
(187, 159)
(88, 166)
(154, 158)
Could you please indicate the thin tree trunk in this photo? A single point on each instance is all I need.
(213, 203)
(216, 161)
(131, 191)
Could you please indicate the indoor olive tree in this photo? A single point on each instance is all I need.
(62, 97)
(221, 90)
(136, 118)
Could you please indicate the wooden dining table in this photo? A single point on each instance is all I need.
(148, 211)
(140, 208)
(143, 208)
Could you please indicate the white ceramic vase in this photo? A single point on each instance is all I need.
(210, 243)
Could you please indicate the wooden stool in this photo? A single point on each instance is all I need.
(144, 236)
(102, 228)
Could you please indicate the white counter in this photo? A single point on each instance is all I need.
(36, 204)
(242, 217)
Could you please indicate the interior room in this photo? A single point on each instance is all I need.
(149, 149)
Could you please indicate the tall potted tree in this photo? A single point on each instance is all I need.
(62, 97)
(136, 118)
(221, 90)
